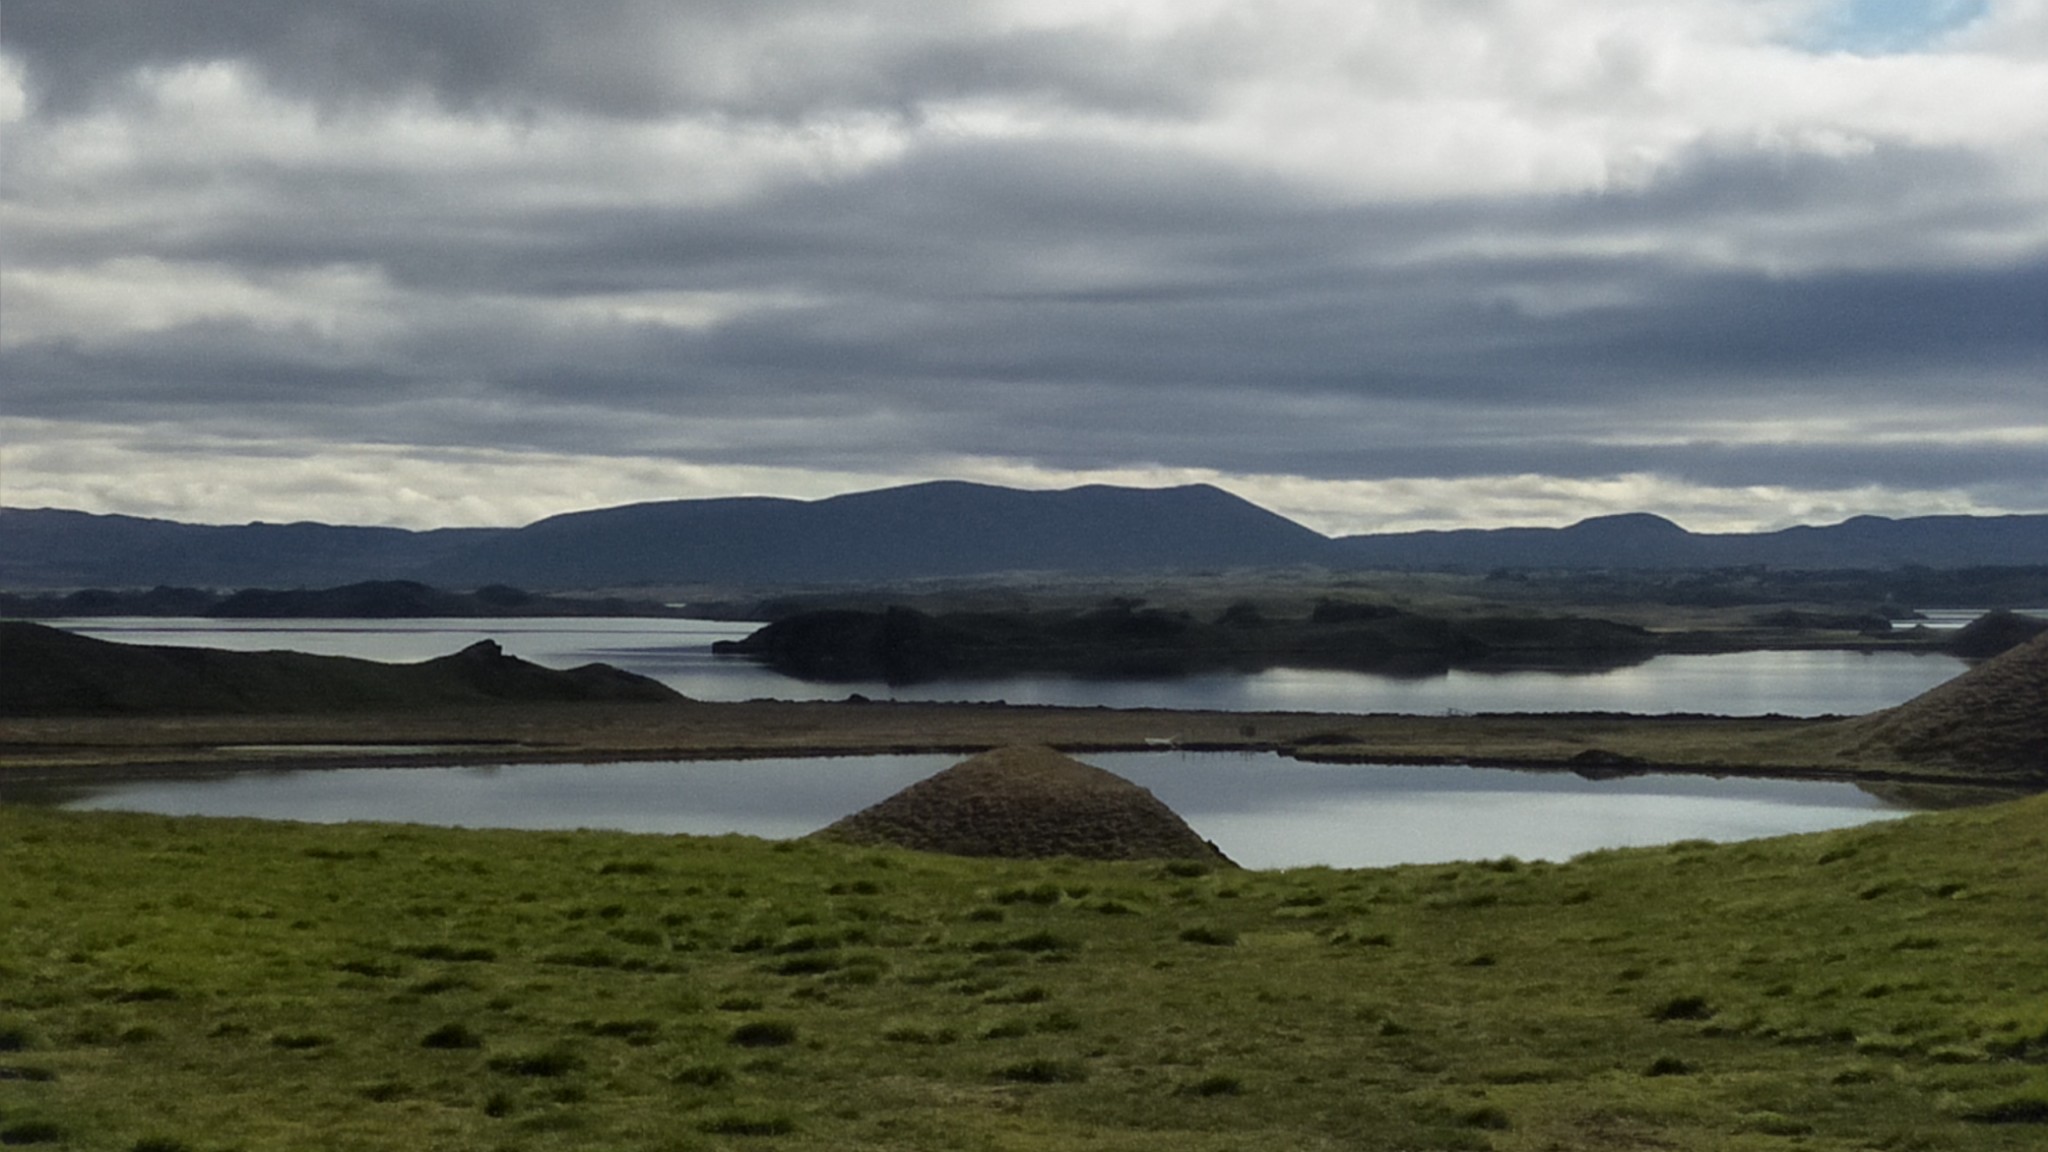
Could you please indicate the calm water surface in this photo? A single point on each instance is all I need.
(678, 653)
(1262, 809)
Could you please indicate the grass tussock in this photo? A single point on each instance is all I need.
(1878, 988)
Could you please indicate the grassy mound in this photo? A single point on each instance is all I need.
(1026, 802)
(1992, 720)
(202, 984)
(51, 672)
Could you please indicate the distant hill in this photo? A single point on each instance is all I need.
(924, 530)
(1643, 541)
(365, 600)
(940, 529)
(51, 672)
(48, 548)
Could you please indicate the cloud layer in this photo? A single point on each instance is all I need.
(1694, 253)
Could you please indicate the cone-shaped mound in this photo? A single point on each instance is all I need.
(1992, 719)
(1025, 802)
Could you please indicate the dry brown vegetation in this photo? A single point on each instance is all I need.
(49, 746)
(1992, 720)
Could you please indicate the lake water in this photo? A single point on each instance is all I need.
(678, 653)
(1262, 809)
(1950, 619)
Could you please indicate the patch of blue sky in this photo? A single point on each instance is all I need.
(1885, 27)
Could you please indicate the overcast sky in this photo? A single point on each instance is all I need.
(1376, 264)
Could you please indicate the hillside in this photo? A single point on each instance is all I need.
(50, 672)
(916, 532)
(1992, 719)
(1644, 541)
(46, 548)
(365, 600)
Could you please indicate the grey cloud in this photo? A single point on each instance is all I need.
(1924, 464)
(1857, 330)
(1078, 304)
(185, 372)
(1225, 312)
(1067, 392)
(1715, 180)
(780, 59)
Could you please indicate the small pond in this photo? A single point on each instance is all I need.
(1264, 810)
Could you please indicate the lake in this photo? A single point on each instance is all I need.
(1262, 809)
(678, 653)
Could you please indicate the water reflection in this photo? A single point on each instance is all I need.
(1262, 809)
(678, 652)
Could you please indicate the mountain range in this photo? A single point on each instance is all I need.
(1640, 540)
(932, 530)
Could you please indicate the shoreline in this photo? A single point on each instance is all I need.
(51, 750)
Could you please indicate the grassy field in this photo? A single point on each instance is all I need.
(200, 984)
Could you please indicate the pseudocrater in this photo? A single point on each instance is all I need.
(1028, 802)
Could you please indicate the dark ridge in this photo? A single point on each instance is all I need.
(1995, 632)
(51, 672)
(365, 600)
(923, 530)
(50, 548)
(936, 530)
(1642, 541)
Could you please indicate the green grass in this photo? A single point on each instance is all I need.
(210, 984)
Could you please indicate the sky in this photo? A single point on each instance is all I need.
(1377, 265)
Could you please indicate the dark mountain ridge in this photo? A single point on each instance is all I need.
(942, 529)
(52, 548)
(1644, 541)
